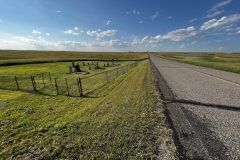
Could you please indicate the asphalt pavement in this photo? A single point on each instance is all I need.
(204, 105)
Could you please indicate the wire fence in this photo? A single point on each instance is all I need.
(76, 87)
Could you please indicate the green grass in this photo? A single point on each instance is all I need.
(122, 120)
(96, 78)
(8, 57)
(57, 69)
(220, 61)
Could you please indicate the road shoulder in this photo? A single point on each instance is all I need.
(189, 145)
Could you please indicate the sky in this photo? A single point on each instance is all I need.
(121, 25)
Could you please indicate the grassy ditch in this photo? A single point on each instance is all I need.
(121, 120)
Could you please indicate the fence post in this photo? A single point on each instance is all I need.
(33, 83)
(56, 85)
(67, 86)
(17, 83)
(80, 87)
(50, 78)
(106, 74)
(43, 80)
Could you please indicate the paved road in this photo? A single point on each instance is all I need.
(210, 100)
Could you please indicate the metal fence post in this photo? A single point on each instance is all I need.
(50, 78)
(56, 85)
(67, 86)
(33, 83)
(43, 80)
(106, 74)
(17, 83)
(80, 87)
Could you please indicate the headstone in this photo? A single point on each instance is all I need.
(77, 68)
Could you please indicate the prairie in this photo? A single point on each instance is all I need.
(222, 61)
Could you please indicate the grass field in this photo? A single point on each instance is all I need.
(57, 69)
(8, 57)
(122, 120)
(49, 75)
(221, 61)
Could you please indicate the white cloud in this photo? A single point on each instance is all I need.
(91, 44)
(221, 4)
(155, 15)
(136, 12)
(175, 36)
(71, 32)
(140, 22)
(181, 34)
(217, 9)
(108, 22)
(182, 46)
(237, 30)
(170, 17)
(34, 31)
(26, 43)
(223, 23)
(58, 11)
(47, 34)
(192, 20)
(220, 48)
(215, 13)
(74, 31)
(100, 34)
(133, 12)
(194, 42)
(29, 43)
(1, 20)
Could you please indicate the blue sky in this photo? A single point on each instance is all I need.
(120, 25)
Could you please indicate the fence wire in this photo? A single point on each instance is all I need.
(75, 87)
